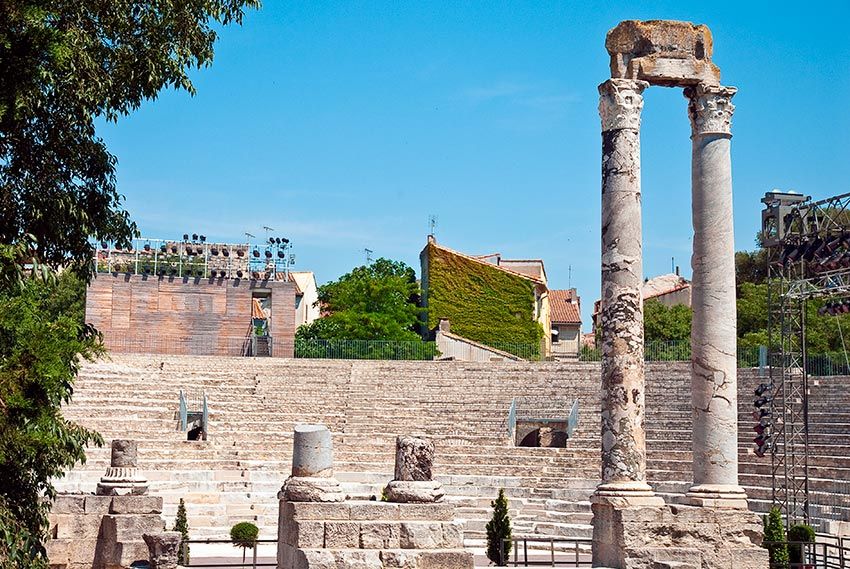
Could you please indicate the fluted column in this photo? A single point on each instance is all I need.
(713, 334)
(621, 308)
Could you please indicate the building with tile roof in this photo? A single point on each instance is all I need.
(565, 309)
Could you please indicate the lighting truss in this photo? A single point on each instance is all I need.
(792, 223)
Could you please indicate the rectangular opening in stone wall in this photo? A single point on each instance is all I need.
(544, 433)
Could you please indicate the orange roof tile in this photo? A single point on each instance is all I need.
(564, 307)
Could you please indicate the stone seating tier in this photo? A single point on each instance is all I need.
(255, 404)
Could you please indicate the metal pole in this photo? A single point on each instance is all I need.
(254, 562)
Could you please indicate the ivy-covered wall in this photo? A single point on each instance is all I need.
(483, 303)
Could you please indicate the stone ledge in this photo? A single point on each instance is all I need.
(293, 558)
(367, 511)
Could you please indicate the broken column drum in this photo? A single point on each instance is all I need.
(312, 477)
(122, 476)
(621, 307)
(713, 332)
(163, 549)
(414, 461)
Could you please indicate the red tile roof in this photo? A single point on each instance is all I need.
(565, 307)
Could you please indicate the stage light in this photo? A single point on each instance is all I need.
(277, 240)
(174, 249)
(203, 238)
(163, 249)
(281, 254)
(189, 250)
(104, 245)
(240, 253)
(271, 240)
(214, 251)
(185, 237)
(284, 240)
(194, 237)
(255, 275)
(763, 444)
(239, 274)
(256, 253)
(268, 254)
(213, 274)
(225, 252)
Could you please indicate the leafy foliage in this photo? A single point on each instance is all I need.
(774, 534)
(481, 302)
(800, 533)
(244, 535)
(499, 528)
(666, 323)
(181, 524)
(42, 341)
(372, 302)
(64, 64)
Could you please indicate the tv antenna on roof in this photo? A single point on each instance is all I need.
(368, 255)
(432, 224)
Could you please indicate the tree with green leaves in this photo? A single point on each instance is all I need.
(774, 538)
(244, 535)
(181, 524)
(663, 323)
(499, 529)
(373, 302)
(65, 64)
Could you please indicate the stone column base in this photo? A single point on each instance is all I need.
(717, 496)
(687, 537)
(311, 489)
(122, 481)
(624, 494)
(419, 491)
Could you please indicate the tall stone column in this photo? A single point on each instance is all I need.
(713, 334)
(621, 309)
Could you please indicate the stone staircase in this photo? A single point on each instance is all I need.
(254, 404)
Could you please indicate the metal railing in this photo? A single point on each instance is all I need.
(572, 420)
(212, 560)
(512, 420)
(193, 406)
(570, 552)
(826, 552)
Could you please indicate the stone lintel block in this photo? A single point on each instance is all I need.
(69, 504)
(97, 504)
(660, 40)
(671, 72)
(136, 505)
(379, 535)
(342, 535)
(441, 511)
(363, 511)
(305, 533)
(458, 559)
(316, 510)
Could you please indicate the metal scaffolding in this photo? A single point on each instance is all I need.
(808, 245)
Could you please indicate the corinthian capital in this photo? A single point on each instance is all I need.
(710, 109)
(620, 103)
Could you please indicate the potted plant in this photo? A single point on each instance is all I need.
(797, 536)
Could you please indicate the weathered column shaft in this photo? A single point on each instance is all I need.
(713, 334)
(621, 309)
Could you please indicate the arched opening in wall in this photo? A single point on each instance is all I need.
(545, 437)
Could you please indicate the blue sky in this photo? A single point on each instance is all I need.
(345, 125)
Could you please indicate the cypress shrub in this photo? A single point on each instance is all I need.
(181, 524)
(499, 528)
(774, 532)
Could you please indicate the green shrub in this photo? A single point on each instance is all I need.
(499, 528)
(181, 524)
(799, 533)
(775, 532)
(244, 535)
